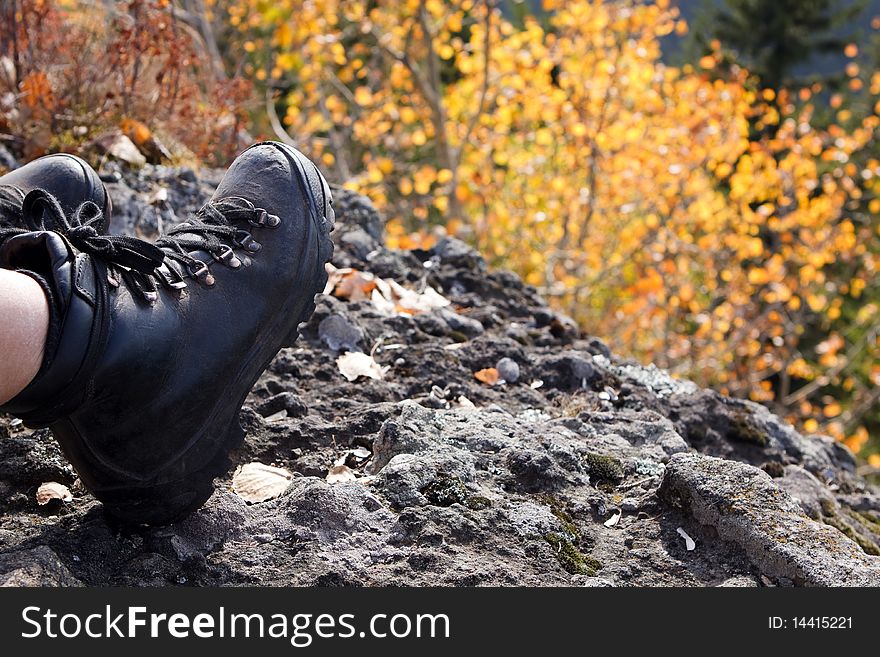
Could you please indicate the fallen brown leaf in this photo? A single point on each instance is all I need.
(339, 473)
(354, 364)
(52, 490)
(488, 376)
(256, 482)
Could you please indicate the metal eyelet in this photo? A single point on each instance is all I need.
(227, 257)
(176, 283)
(264, 219)
(247, 242)
(200, 272)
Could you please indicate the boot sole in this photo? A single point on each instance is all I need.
(173, 501)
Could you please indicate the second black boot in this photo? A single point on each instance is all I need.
(66, 177)
(160, 344)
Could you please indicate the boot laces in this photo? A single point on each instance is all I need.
(140, 264)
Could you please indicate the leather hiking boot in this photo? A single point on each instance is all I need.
(66, 177)
(160, 344)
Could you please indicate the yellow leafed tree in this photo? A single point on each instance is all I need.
(691, 219)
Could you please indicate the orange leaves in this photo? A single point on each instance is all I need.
(699, 222)
(353, 285)
(84, 66)
(37, 91)
(138, 132)
(489, 376)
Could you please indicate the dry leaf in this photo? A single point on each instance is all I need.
(255, 482)
(361, 453)
(613, 520)
(688, 541)
(488, 376)
(340, 473)
(52, 490)
(354, 364)
(355, 286)
(388, 296)
(412, 302)
(277, 417)
(120, 147)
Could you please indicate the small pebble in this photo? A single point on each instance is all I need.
(508, 369)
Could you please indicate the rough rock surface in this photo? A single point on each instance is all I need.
(581, 469)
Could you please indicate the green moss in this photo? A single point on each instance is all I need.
(477, 502)
(868, 546)
(743, 429)
(445, 490)
(774, 468)
(570, 558)
(868, 520)
(557, 508)
(828, 506)
(458, 336)
(604, 469)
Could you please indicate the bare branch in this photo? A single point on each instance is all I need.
(277, 126)
(484, 92)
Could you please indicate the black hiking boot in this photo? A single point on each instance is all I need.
(159, 345)
(66, 177)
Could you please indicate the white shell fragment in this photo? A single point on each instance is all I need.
(277, 417)
(340, 473)
(354, 364)
(613, 520)
(688, 541)
(52, 490)
(361, 453)
(464, 402)
(255, 482)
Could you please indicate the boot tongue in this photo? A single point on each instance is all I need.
(50, 261)
(44, 254)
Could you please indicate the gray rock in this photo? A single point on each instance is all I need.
(339, 334)
(456, 322)
(745, 507)
(38, 566)
(512, 489)
(739, 583)
(508, 369)
(813, 496)
(404, 480)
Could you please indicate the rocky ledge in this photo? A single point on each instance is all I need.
(483, 440)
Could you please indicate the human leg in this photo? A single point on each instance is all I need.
(24, 322)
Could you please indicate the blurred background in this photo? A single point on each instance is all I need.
(697, 182)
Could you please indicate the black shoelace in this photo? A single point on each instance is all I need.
(140, 264)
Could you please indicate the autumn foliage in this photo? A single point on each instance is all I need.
(70, 71)
(686, 215)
